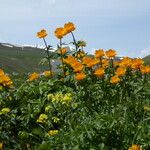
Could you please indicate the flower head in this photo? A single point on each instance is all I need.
(60, 33)
(120, 71)
(42, 118)
(99, 53)
(62, 51)
(111, 53)
(33, 76)
(42, 34)
(135, 147)
(4, 111)
(80, 76)
(115, 79)
(47, 73)
(69, 27)
(99, 72)
(52, 132)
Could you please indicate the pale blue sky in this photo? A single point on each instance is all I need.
(123, 25)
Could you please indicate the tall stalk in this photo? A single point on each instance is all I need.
(62, 57)
(74, 40)
(48, 55)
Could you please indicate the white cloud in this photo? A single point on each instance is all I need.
(145, 52)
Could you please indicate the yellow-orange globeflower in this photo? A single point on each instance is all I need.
(125, 62)
(105, 63)
(60, 33)
(115, 79)
(69, 27)
(1, 146)
(78, 67)
(111, 53)
(135, 147)
(120, 71)
(145, 69)
(99, 72)
(99, 53)
(42, 34)
(33, 76)
(62, 51)
(80, 76)
(137, 63)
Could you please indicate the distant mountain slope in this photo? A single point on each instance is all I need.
(20, 59)
(147, 60)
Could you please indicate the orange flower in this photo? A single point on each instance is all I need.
(69, 27)
(115, 79)
(120, 71)
(33, 76)
(126, 62)
(105, 63)
(137, 63)
(111, 53)
(5, 81)
(70, 60)
(99, 72)
(60, 32)
(135, 147)
(145, 69)
(42, 34)
(78, 67)
(62, 51)
(99, 53)
(80, 76)
(90, 62)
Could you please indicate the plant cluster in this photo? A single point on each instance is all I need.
(93, 102)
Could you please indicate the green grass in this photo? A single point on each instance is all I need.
(14, 59)
(147, 60)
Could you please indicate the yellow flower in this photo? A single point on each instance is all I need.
(52, 132)
(115, 79)
(135, 147)
(146, 108)
(80, 76)
(42, 34)
(69, 27)
(99, 72)
(111, 53)
(60, 32)
(55, 119)
(4, 111)
(47, 73)
(42, 118)
(77, 67)
(47, 108)
(99, 53)
(33, 76)
(120, 71)
(1, 146)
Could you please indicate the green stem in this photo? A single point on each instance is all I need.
(74, 40)
(62, 57)
(49, 61)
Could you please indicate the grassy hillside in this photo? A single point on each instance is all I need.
(16, 59)
(147, 60)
